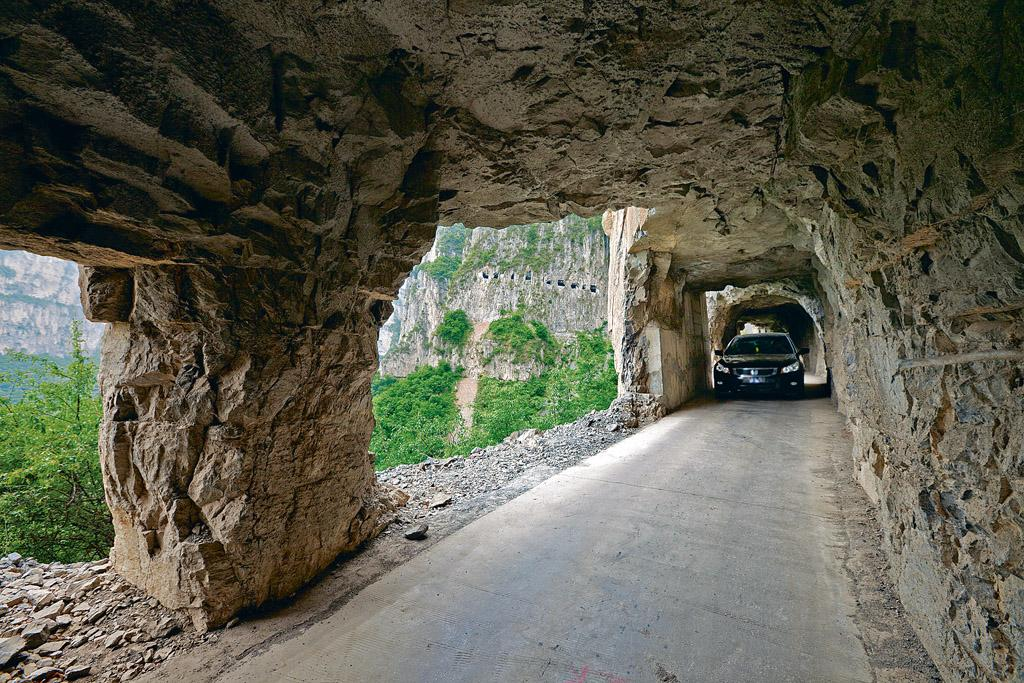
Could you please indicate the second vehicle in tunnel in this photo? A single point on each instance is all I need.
(760, 362)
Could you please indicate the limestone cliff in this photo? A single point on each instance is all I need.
(39, 298)
(555, 273)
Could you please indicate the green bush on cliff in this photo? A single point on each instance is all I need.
(455, 328)
(442, 268)
(521, 339)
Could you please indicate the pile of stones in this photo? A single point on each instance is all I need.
(434, 484)
(80, 621)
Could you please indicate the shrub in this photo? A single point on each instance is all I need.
(582, 380)
(51, 489)
(451, 241)
(442, 268)
(455, 328)
(414, 415)
(521, 339)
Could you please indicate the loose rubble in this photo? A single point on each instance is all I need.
(81, 621)
(433, 485)
(72, 621)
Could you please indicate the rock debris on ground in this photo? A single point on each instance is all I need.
(433, 484)
(83, 622)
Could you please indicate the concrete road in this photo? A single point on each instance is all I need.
(700, 549)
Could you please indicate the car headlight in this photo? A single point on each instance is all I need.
(792, 367)
(721, 368)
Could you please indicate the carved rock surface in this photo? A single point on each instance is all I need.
(271, 173)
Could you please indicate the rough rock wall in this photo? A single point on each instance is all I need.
(39, 298)
(555, 273)
(726, 305)
(657, 328)
(928, 361)
(919, 247)
(187, 159)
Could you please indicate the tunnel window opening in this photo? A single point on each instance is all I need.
(50, 411)
(468, 356)
(787, 307)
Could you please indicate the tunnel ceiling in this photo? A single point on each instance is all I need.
(245, 134)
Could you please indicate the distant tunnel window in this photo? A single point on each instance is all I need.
(547, 282)
(574, 286)
(593, 288)
(561, 283)
(529, 276)
(484, 274)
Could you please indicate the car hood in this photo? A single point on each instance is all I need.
(760, 360)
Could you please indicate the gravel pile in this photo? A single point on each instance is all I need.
(433, 484)
(81, 621)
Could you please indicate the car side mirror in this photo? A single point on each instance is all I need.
(804, 350)
(718, 352)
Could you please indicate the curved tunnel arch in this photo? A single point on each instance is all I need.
(771, 307)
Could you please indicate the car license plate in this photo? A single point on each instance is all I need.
(755, 380)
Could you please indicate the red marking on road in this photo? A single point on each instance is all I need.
(581, 676)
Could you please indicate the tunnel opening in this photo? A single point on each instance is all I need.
(789, 306)
(246, 254)
(477, 349)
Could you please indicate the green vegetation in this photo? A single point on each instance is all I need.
(451, 241)
(415, 415)
(534, 249)
(520, 338)
(51, 491)
(442, 268)
(476, 258)
(455, 328)
(583, 380)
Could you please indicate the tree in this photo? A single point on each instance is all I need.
(455, 328)
(51, 488)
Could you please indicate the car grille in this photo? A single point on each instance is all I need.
(756, 372)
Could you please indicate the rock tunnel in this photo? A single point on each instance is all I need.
(245, 186)
(784, 306)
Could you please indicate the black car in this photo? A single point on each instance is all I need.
(760, 362)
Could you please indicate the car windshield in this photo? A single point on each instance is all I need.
(748, 346)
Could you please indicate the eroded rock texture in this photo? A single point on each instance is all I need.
(658, 328)
(234, 468)
(270, 172)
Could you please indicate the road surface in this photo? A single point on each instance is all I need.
(701, 549)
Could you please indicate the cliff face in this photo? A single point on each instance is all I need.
(555, 273)
(39, 297)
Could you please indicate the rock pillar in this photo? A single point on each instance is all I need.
(658, 328)
(236, 417)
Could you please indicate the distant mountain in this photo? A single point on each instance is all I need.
(39, 297)
(553, 273)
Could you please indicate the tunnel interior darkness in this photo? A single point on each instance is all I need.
(790, 305)
(789, 317)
